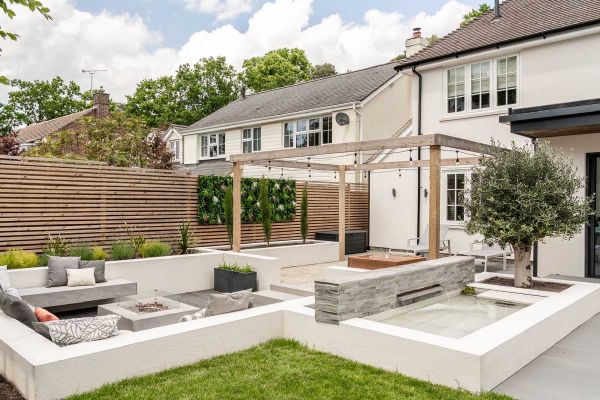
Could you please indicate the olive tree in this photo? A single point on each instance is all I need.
(522, 195)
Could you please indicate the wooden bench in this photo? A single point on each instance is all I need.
(77, 296)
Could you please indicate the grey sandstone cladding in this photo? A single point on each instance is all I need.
(376, 291)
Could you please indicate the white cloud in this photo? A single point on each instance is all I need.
(222, 9)
(131, 51)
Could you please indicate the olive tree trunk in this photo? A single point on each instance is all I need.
(523, 275)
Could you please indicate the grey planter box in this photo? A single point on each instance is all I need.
(231, 281)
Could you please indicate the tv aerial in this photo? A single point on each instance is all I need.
(92, 72)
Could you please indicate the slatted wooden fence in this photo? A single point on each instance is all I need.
(90, 203)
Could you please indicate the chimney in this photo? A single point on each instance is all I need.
(415, 43)
(102, 103)
(497, 9)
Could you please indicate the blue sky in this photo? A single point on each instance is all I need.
(176, 23)
(142, 39)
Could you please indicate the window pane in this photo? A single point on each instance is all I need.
(512, 96)
(451, 181)
(213, 151)
(301, 125)
(451, 216)
(247, 134)
(314, 124)
(502, 98)
(247, 147)
(485, 100)
(511, 64)
(451, 76)
(257, 139)
(502, 66)
(301, 140)
(460, 89)
(501, 82)
(485, 85)
(221, 143)
(460, 213)
(460, 104)
(451, 197)
(451, 105)
(460, 74)
(460, 181)
(512, 81)
(451, 91)
(475, 70)
(475, 104)
(485, 69)
(475, 86)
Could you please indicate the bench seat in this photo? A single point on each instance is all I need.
(65, 295)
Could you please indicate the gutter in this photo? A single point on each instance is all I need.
(419, 117)
(498, 45)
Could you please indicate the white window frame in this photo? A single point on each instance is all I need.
(217, 144)
(175, 147)
(494, 108)
(444, 200)
(480, 79)
(315, 133)
(255, 139)
(517, 73)
(456, 84)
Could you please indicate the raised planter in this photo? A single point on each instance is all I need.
(233, 281)
(356, 241)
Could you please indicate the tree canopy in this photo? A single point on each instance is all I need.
(475, 13)
(277, 68)
(121, 140)
(192, 93)
(324, 70)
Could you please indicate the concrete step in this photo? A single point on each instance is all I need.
(510, 297)
(272, 296)
(298, 289)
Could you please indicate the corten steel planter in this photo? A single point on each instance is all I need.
(232, 281)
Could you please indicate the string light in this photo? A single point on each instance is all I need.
(457, 161)
(399, 173)
(309, 163)
(334, 174)
(365, 175)
(410, 157)
(355, 158)
(269, 165)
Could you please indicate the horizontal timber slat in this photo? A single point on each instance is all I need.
(90, 203)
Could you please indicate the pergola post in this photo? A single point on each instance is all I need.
(342, 213)
(237, 206)
(435, 155)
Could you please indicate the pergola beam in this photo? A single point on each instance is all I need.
(296, 165)
(411, 164)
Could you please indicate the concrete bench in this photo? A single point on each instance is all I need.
(78, 295)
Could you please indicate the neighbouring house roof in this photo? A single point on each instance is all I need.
(332, 91)
(34, 132)
(519, 20)
(218, 167)
(176, 127)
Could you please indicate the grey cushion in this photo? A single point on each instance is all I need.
(57, 276)
(221, 303)
(5, 286)
(99, 268)
(17, 309)
(76, 330)
(42, 329)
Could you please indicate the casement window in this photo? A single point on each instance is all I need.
(455, 192)
(480, 85)
(251, 140)
(506, 81)
(307, 132)
(455, 86)
(174, 147)
(212, 145)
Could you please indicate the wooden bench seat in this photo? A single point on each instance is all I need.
(66, 296)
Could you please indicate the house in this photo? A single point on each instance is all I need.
(358, 105)
(172, 137)
(527, 69)
(32, 134)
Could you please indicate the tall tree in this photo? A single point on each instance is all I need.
(7, 7)
(192, 93)
(38, 100)
(120, 140)
(475, 13)
(523, 195)
(277, 68)
(324, 70)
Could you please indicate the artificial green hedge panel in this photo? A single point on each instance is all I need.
(211, 192)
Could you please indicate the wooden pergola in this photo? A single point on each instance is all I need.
(285, 159)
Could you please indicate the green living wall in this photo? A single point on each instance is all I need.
(211, 192)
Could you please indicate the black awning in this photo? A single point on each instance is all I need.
(563, 119)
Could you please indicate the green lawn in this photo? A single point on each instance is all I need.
(279, 369)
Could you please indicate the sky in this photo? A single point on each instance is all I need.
(141, 39)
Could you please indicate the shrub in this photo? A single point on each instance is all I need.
(185, 237)
(42, 260)
(135, 239)
(16, 259)
(266, 212)
(56, 246)
(98, 253)
(228, 213)
(85, 252)
(244, 269)
(155, 248)
(122, 251)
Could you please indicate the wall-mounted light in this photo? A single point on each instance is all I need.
(425, 193)
(394, 192)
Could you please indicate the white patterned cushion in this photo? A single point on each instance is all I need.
(71, 331)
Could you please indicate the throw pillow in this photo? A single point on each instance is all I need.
(57, 276)
(221, 303)
(42, 329)
(77, 330)
(17, 309)
(80, 277)
(99, 268)
(43, 315)
(5, 286)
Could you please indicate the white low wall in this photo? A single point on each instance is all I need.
(174, 274)
(337, 272)
(291, 255)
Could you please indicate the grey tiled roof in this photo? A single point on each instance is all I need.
(218, 167)
(40, 130)
(519, 20)
(326, 92)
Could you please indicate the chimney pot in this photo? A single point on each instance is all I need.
(416, 33)
(497, 9)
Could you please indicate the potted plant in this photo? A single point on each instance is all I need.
(233, 278)
(523, 195)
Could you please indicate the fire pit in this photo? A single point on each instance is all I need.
(148, 307)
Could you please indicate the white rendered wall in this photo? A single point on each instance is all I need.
(300, 254)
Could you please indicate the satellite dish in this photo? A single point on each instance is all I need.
(342, 119)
